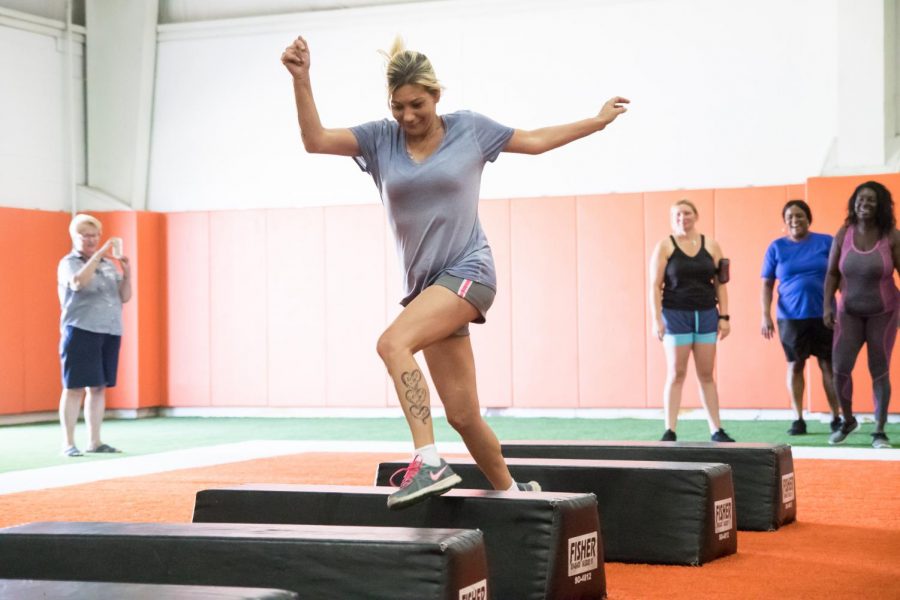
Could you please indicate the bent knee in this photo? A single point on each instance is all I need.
(464, 421)
(390, 346)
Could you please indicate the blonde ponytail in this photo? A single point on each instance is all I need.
(408, 67)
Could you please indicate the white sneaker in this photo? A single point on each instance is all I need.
(880, 441)
(531, 486)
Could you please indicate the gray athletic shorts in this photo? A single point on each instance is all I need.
(477, 294)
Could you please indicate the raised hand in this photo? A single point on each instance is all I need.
(295, 58)
(105, 249)
(612, 109)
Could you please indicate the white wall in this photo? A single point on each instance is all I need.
(861, 99)
(121, 57)
(724, 92)
(34, 126)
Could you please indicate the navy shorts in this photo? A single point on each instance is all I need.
(688, 327)
(88, 359)
(802, 338)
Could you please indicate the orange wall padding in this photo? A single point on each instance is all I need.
(142, 363)
(282, 308)
(31, 244)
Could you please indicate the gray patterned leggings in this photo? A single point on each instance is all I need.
(878, 333)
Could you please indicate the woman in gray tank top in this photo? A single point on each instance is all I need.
(865, 256)
(427, 168)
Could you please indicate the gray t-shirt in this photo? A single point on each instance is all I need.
(432, 206)
(97, 306)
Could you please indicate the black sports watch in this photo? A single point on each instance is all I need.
(724, 317)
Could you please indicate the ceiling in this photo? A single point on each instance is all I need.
(180, 11)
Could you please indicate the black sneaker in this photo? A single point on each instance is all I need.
(835, 424)
(721, 436)
(798, 427)
(668, 436)
(847, 427)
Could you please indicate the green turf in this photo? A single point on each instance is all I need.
(37, 445)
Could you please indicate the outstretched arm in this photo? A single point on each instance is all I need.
(316, 139)
(540, 140)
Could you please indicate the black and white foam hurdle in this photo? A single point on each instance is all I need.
(650, 512)
(764, 494)
(316, 562)
(540, 546)
(31, 589)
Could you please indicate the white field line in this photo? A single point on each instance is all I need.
(130, 466)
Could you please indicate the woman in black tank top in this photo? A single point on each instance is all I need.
(688, 283)
(689, 307)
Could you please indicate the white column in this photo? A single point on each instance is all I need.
(865, 125)
(121, 58)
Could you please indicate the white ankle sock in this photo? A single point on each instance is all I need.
(513, 487)
(429, 455)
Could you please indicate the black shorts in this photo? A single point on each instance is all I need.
(802, 338)
(88, 359)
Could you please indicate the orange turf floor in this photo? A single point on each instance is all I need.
(845, 543)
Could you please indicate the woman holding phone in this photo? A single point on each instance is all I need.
(91, 293)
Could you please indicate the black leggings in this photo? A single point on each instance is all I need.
(878, 333)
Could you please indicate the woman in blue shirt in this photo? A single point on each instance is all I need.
(799, 261)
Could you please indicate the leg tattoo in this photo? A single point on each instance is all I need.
(416, 395)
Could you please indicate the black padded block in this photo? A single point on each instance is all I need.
(763, 474)
(539, 545)
(316, 562)
(31, 589)
(650, 512)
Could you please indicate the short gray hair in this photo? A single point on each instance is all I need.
(80, 219)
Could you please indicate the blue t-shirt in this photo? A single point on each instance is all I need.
(800, 270)
(432, 206)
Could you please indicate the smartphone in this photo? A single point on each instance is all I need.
(724, 270)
